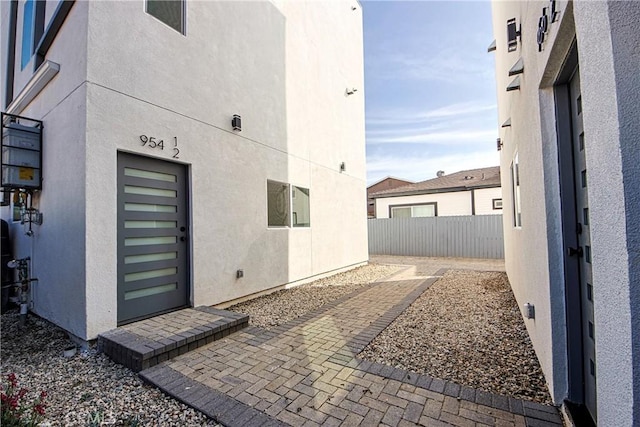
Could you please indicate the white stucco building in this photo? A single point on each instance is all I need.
(568, 84)
(467, 192)
(151, 200)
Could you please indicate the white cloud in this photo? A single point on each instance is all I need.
(423, 168)
(449, 137)
(398, 117)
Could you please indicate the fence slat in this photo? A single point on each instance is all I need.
(477, 236)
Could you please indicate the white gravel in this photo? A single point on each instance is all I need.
(465, 328)
(279, 307)
(86, 389)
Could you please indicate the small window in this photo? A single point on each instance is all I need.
(28, 29)
(497, 204)
(171, 12)
(515, 191)
(277, 204)
(300, 216)
(413, 211)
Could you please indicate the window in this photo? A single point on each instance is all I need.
(28, 28)
(277, 204)
(497, 203)
(287, 205)
(171, 12)
(515, 191)
(414, 211)
(300, 200)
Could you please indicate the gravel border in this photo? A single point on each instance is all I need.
(85, 389)
(88, 385)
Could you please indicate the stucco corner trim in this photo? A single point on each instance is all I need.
(40, 79)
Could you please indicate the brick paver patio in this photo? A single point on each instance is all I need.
(306, 373)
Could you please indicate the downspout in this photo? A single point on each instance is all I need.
(473, 201)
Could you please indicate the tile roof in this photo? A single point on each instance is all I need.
(463, 180)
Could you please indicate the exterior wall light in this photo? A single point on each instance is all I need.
(351, 91)
(499, 143)
(513, 32)
(236, 122)
(529, 311)
(343, 167)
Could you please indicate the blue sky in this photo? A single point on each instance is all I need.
(430, 90)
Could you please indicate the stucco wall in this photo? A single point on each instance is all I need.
(125, 74)
(57, 247)
(607, 40)
(483, 200)
(456, 203)
(258, 68)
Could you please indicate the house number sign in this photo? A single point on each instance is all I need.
(544, 21)
(155, 143)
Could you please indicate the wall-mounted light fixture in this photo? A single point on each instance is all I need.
(529, 311)
(513, 32)
(351, 91)
(236, 122)
(492, 47)
(514, 85)
(343, 167)
(239, 274)
(507, 123)
(499, 144)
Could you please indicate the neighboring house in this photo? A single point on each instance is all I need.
(387, 183)
(469, 192)
(568, 86)
(155, 197)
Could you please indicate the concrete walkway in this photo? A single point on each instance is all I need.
(306, 373)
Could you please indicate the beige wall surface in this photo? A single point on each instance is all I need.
(534, 253)
(125, 73)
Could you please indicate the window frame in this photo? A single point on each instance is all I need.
(515, 191)
(289, 223)
(411, 205)
(183, 16)
(28, 30)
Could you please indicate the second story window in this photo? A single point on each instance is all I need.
(171, 12)
(28, 29)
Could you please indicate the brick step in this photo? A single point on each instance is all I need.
(143, 344)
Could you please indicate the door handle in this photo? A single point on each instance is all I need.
(575, 251)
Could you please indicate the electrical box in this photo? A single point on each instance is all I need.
(21, 153)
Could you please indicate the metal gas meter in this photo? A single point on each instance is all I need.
(21, 152)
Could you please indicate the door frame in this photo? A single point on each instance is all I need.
(569, 219)
(188, 250)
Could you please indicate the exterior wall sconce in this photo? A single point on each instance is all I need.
(514, 85)
(351, 91)
(507, 123)
(499, 143)
(236, 122)
(343, 167)
(518, 68)
(492, 47)
(513, 32)
(529, 311)
(239, 274)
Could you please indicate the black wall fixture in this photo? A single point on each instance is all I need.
(236, 122)
(513, 33)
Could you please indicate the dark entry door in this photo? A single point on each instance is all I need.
(584, 245)
(152, 237)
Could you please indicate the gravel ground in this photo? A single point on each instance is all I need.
(279, 307)
(465, 328)
(86, 389)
